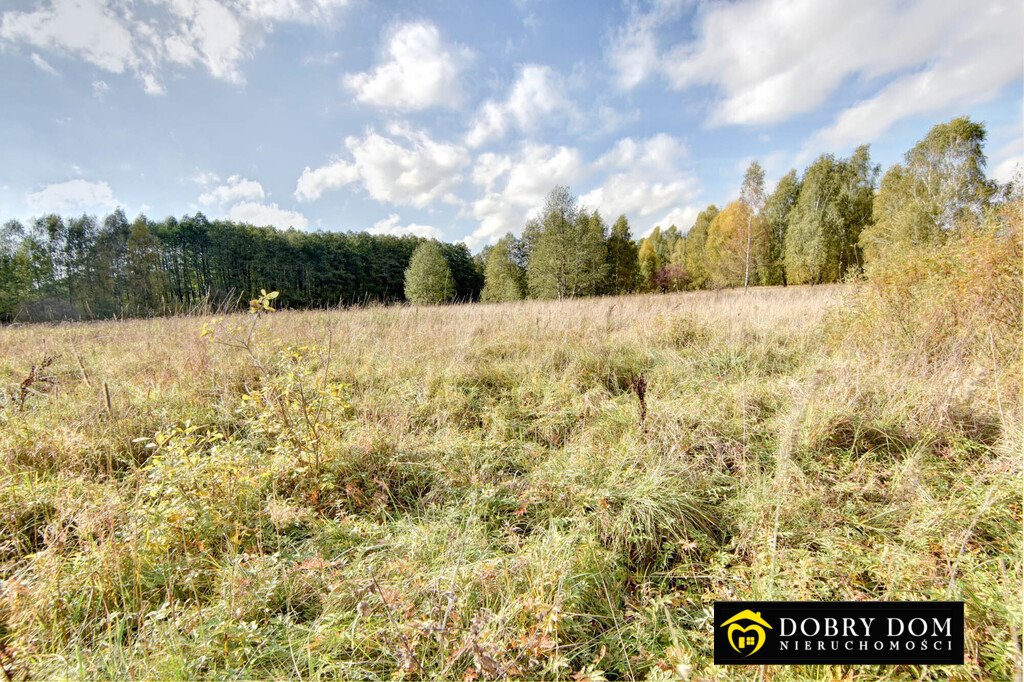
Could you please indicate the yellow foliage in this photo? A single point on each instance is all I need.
(958, 302)
(726, 249)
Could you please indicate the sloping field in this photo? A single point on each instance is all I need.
(533, 490)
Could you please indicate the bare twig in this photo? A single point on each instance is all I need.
(36, 376)
(639, 386)
(387, 610)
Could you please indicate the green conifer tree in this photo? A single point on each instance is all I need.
(622, 258)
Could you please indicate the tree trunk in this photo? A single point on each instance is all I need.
(746, 272)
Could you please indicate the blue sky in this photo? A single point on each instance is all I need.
(454, 119)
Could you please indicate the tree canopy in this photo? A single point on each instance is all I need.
(834, 205)
(622, 258)
(735, 237)
(504, 278)
(428, 279)
(940, 186)
(777, 209)
(567, 252)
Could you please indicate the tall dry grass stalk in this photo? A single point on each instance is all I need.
(472, 491)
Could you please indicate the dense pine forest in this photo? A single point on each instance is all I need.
(819, 227)
(59, 268)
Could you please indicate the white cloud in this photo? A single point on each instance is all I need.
(43, 65)
(537, 96)
(235, 189)
(769, 60)
(683, 218)
(204, 178)
(524, 182)
(73, 196)
(85, 28)
(210, 34)
(302, 11)
(1008, 169)
(315, 181)
(976, 61)
(635, 53)
(150, 85)
(262, 215)
(116, 37)
(1008, 161)
(420, 72)
(489, 168)
(607, 120)
(246, 200)
(390, 225)
(407, 168)
(100, 88)
(322, 58)
(645, 178)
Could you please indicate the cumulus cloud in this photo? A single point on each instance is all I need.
(204, 178)
(243, 200)
(489, 168)
(73, 196)
(515, 187)
(683, 218)
(217, 35)
(392, 225)
(88, 29)
(769, 60)
(645, 179)
(537, 96)
(420, 71)
(261, 214)
(315, 181)
(235, 189)
(405, 167)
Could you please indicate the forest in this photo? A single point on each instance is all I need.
(82, 267)
(819, 227)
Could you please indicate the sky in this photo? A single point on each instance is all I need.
(454, 119)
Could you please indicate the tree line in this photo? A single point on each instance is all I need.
(84, 268)
(820, 226)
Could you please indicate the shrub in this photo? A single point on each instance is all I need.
(671, 278)
(958, 302)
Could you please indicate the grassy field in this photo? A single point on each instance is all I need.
(532, 490)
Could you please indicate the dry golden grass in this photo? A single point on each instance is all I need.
(471, 490)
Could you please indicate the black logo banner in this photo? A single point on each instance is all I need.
(816, 633)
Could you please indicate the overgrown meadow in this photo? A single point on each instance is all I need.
(553, 490)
